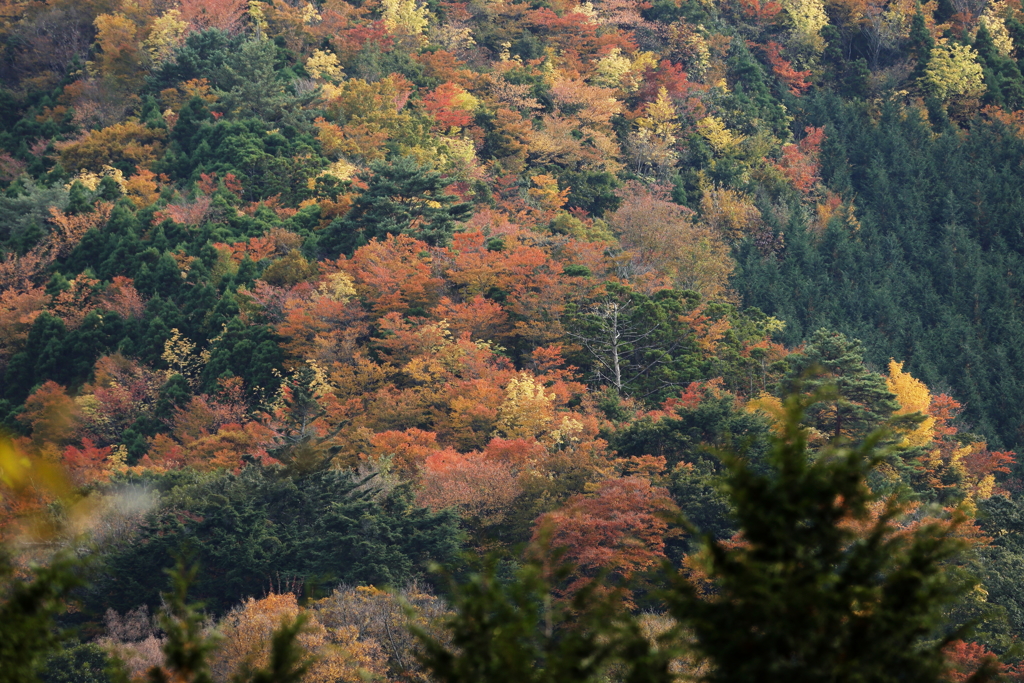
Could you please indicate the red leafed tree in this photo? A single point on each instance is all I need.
(123, 390)
(225, 15)
(670, 76)
(795, 80)
(981, 463)
(966, 658)
(800, 162)
(257, 249)
(88, 463)
(944, 408)
(477, 486)
(189, 213)
(446, 103)
(620, 528)
(762, 13)
(121, 297)
(208, 183)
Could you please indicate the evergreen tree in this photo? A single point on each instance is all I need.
(861, 401)
(823, 587)
(402, 198)
(810, 597)
(921, 43)
(320, 528)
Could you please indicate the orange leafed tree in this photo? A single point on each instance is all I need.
(795, 80)
(662, 239)
(121, 297)
(800, 162)
(18, 312)
(394, 274)
(620, 528)
(339, 656)
(87, 464)
(478, 486)
(51, 414)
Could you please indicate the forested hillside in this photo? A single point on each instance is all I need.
(319, 294)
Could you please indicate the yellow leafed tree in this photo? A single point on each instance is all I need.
(324, 65)
(721, 139)
(611, 69)
(527, 410)
(808, 19)
(953, 71)
(913, 397)
(405, 17)
(166, 34)
(116, 36)
(993, 20)
(659, 118)
(769, 406)
(340, 657)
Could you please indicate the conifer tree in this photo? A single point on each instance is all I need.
(921, 43)
(402, 198)
(824, 586)
(861, 400)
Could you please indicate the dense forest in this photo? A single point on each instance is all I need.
(321, 295)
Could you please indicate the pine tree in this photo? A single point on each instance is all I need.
(921, 44)
(402, 198)
(824, 586)
(861, 401)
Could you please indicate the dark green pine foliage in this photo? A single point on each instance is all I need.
(27, 608)
(202, 56)
(52, 352)
(921, 43)
(808, 597)
(300, 446)
(687, 436)
(77, 663)
(697, 490)
(251, 86)
(1003, 80)
(751, 94)
(402, 197)
(185, 138)
(517, 632)
(861, 400)
(635, 344)
(1000, 563)
(247, 351)
(934, 272)
(261, 525)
